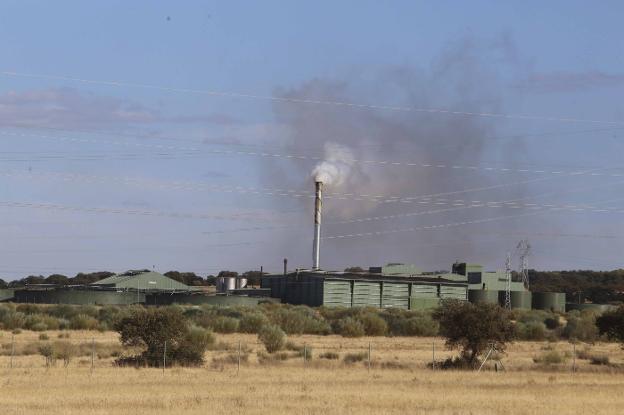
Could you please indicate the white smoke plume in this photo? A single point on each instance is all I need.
(337, 165)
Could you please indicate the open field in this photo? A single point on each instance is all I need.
(397, 383)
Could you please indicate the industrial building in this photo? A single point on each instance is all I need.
(136, 287)
(406, 287)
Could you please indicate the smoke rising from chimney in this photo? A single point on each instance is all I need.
(336, 167)
(459, 79)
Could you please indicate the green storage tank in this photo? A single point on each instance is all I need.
(522, 299)
(549, 301)
(483, 296)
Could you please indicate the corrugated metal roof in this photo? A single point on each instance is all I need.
(143, 280)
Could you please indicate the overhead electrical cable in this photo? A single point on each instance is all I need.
(433, 165)
(283, 99)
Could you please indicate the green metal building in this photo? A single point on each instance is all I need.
(143, 281)
(380, 287)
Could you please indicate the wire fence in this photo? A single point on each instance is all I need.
(372, 353)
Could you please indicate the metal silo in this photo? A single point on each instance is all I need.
(229, 283)
(241, 282)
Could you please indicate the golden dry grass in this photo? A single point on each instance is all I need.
(320, 387)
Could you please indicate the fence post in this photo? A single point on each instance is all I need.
(92, 353)
(369, 356)
(433, 355)
(164, 357)
(305, 353)
(573, 357)
(239, 357)
(12, 350)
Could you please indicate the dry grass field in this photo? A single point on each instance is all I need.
(398, 381)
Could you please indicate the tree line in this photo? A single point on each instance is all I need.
(188, 278)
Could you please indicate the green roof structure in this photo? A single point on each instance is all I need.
(142, 280)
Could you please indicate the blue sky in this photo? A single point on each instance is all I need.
(85, 145)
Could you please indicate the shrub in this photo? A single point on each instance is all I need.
(252, 323)
(581, 328)
(373, 324)
(349, 327)
(329, 356)
(83, 322)
(552, 323)
(46, 350)
(550, 357)
(152, 328)
(225, 325)
(611, 324)
(599, 360)
(472, 328)
(65, 351)
(272, 337)
(531, 331)
(350, 358)
(14, 320)
(44, 336)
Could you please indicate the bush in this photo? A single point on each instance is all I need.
(550, 357)
(373, 324)
(225, 325)
(83, 322)
(14, 320)
(534, 331)
(581, 328)
(252, 323)
(329, 356)
(150, 329)
(351, 358)
(474, 328)
(44, 336)
(65, 351)
(611, 324)
(349, 327)
(272, 337)
(599, 360)
(46, 350)
(552, 323)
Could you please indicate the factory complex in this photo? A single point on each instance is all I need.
(406, 287)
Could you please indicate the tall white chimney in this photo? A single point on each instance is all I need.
(318, 205)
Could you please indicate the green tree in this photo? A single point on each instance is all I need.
(472, 328)
(611, 324)
(150, 329)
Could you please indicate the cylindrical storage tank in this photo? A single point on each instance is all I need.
(241, 282)
(220, 284)
(549, 301)
(483, 296)
(229, 284)
(521, 299)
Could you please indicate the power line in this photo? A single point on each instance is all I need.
(265, 191)
(343, 104)
(381, 163)
(152, 213)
